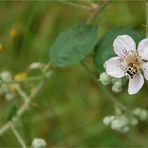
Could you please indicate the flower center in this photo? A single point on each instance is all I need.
(133, 64)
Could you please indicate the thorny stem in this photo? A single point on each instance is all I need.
(146, 8)
(109, 95)
(16, 133)
(100, 6)
(26, 104)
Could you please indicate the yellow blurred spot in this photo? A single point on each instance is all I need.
(13, 88)
(20, 76)
(1, 47)
(13, 32)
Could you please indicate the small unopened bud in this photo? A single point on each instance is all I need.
(114, 80)
(134, 121)
(107, 121)
(119, 122)
(117, 87)
(105, 78)
(137, 111)
(6, 75)
(36, 65)
(9, 96)
(38, 143)
(143, 115)
(125, 129)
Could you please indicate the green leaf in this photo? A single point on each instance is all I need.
(104, 49)
(73, 45)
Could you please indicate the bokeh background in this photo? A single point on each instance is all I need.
(68, 112)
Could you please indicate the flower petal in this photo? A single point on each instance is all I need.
(144, 67)
(135, 84)
(115, 67)
(124, 44)
(143, 49)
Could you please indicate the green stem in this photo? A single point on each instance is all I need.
(22, 93)
(109, 95)
(146, 7)
(16, 133)
(26, 104)
(92, 3)
(100, 6)
(75, 5)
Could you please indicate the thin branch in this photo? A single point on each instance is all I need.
(100, 6)
(92, 3)
(75, 5)
(109, 95)
(23, 80)
(16, 133)
(22, 93)
(26, 104)
(146, 7)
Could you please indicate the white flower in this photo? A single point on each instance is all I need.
(129, 62)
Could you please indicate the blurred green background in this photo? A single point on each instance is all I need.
(68, 112)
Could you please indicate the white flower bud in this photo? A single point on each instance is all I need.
(137, 111)
(143, 115)
(117, 87)
(114, 80)
(116, 125)
(9, 96)
(6, 75)
(133, 121)
(107, 121)
(119, 122)
(38, 143)
(125, 129)
(36, 65)
(105, 78)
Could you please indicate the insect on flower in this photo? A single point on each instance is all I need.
(129, 62)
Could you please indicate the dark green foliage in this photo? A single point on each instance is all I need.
(73, 45)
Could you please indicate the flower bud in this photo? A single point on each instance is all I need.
(143, 115)
(117, 87)
(137, 111)
(119, 123)
(125, 129)
(107, 120)
(38, 143)
(6, 75)
(9, 96)
(36, 65)
(105, 78)
(114, 80)
(134, 121)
